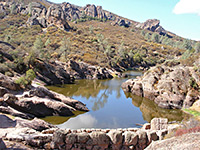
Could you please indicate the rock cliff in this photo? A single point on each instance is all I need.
(152, 25)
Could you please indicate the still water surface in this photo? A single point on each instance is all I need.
(109, 106)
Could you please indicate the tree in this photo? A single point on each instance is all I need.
(48, 41)
(13, 8)
(38, 48)
(121, 50)
(65, 47)
(187, 44)
(147, 36)
(143, 33)
(197, 47)
(155, 38)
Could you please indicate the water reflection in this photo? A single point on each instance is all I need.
(83, 121)
(151, 110)
(109, 106)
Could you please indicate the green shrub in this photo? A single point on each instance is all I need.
(8, 73)
(3, 68)
(24, 82)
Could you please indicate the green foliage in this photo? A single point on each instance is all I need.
(65, 48)
(24, 82)
(8, 73)
(192, 112)
(48, 41)
(187, 44)
(137, 58)
(155, 37)
(143, 33)
(3, 68)
(197, 47)
(13, 8)
(187, 54)
(121, 50)
(30, 7)
(147, 36)
(193, 83)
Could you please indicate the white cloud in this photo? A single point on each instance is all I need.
(187, 6)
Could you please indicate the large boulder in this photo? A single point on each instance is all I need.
(52, 73)
(8, 83)
(169, 87)
(39, 107)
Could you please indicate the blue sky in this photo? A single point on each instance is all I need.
(181, 17)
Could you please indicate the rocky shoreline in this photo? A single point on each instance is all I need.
(170, 87)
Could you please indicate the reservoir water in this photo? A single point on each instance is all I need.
(109, 106)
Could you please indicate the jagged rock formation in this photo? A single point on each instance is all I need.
(81, 70)
(169, 87)
(152, 25)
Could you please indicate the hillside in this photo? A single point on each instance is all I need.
(89, 34)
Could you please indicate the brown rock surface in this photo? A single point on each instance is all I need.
(169, 87)
(185, 142)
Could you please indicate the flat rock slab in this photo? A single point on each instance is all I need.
(185, 142)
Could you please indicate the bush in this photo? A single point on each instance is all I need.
(3, 68)
(24, 82)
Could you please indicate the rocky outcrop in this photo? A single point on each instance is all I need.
(54, 138)
(44, 17)
(52, 73)
(56, 16)
(187, 141)
(152, 25)
(38, 101)
(169, 87)
(81, 70)
(6, 83)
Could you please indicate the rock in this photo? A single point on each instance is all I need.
(8, 83)
(83, 137)
(159, 123)
(98, 138)
(32, 21)
(161, 133)
(130, 138)
(36, 124)
(152, 136)
(56, 16)
(39, 107)
(2, 144)
(142, 139)
(59, 139)
(3, 91)
(9, 110)
(100, 13)
(186, 141)
(152, 25)
(6, 122)
(52, 73)
(146, 126)
(116, 138)
(169, 87)
(43, 92)
(90, 10)
(83, 70)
